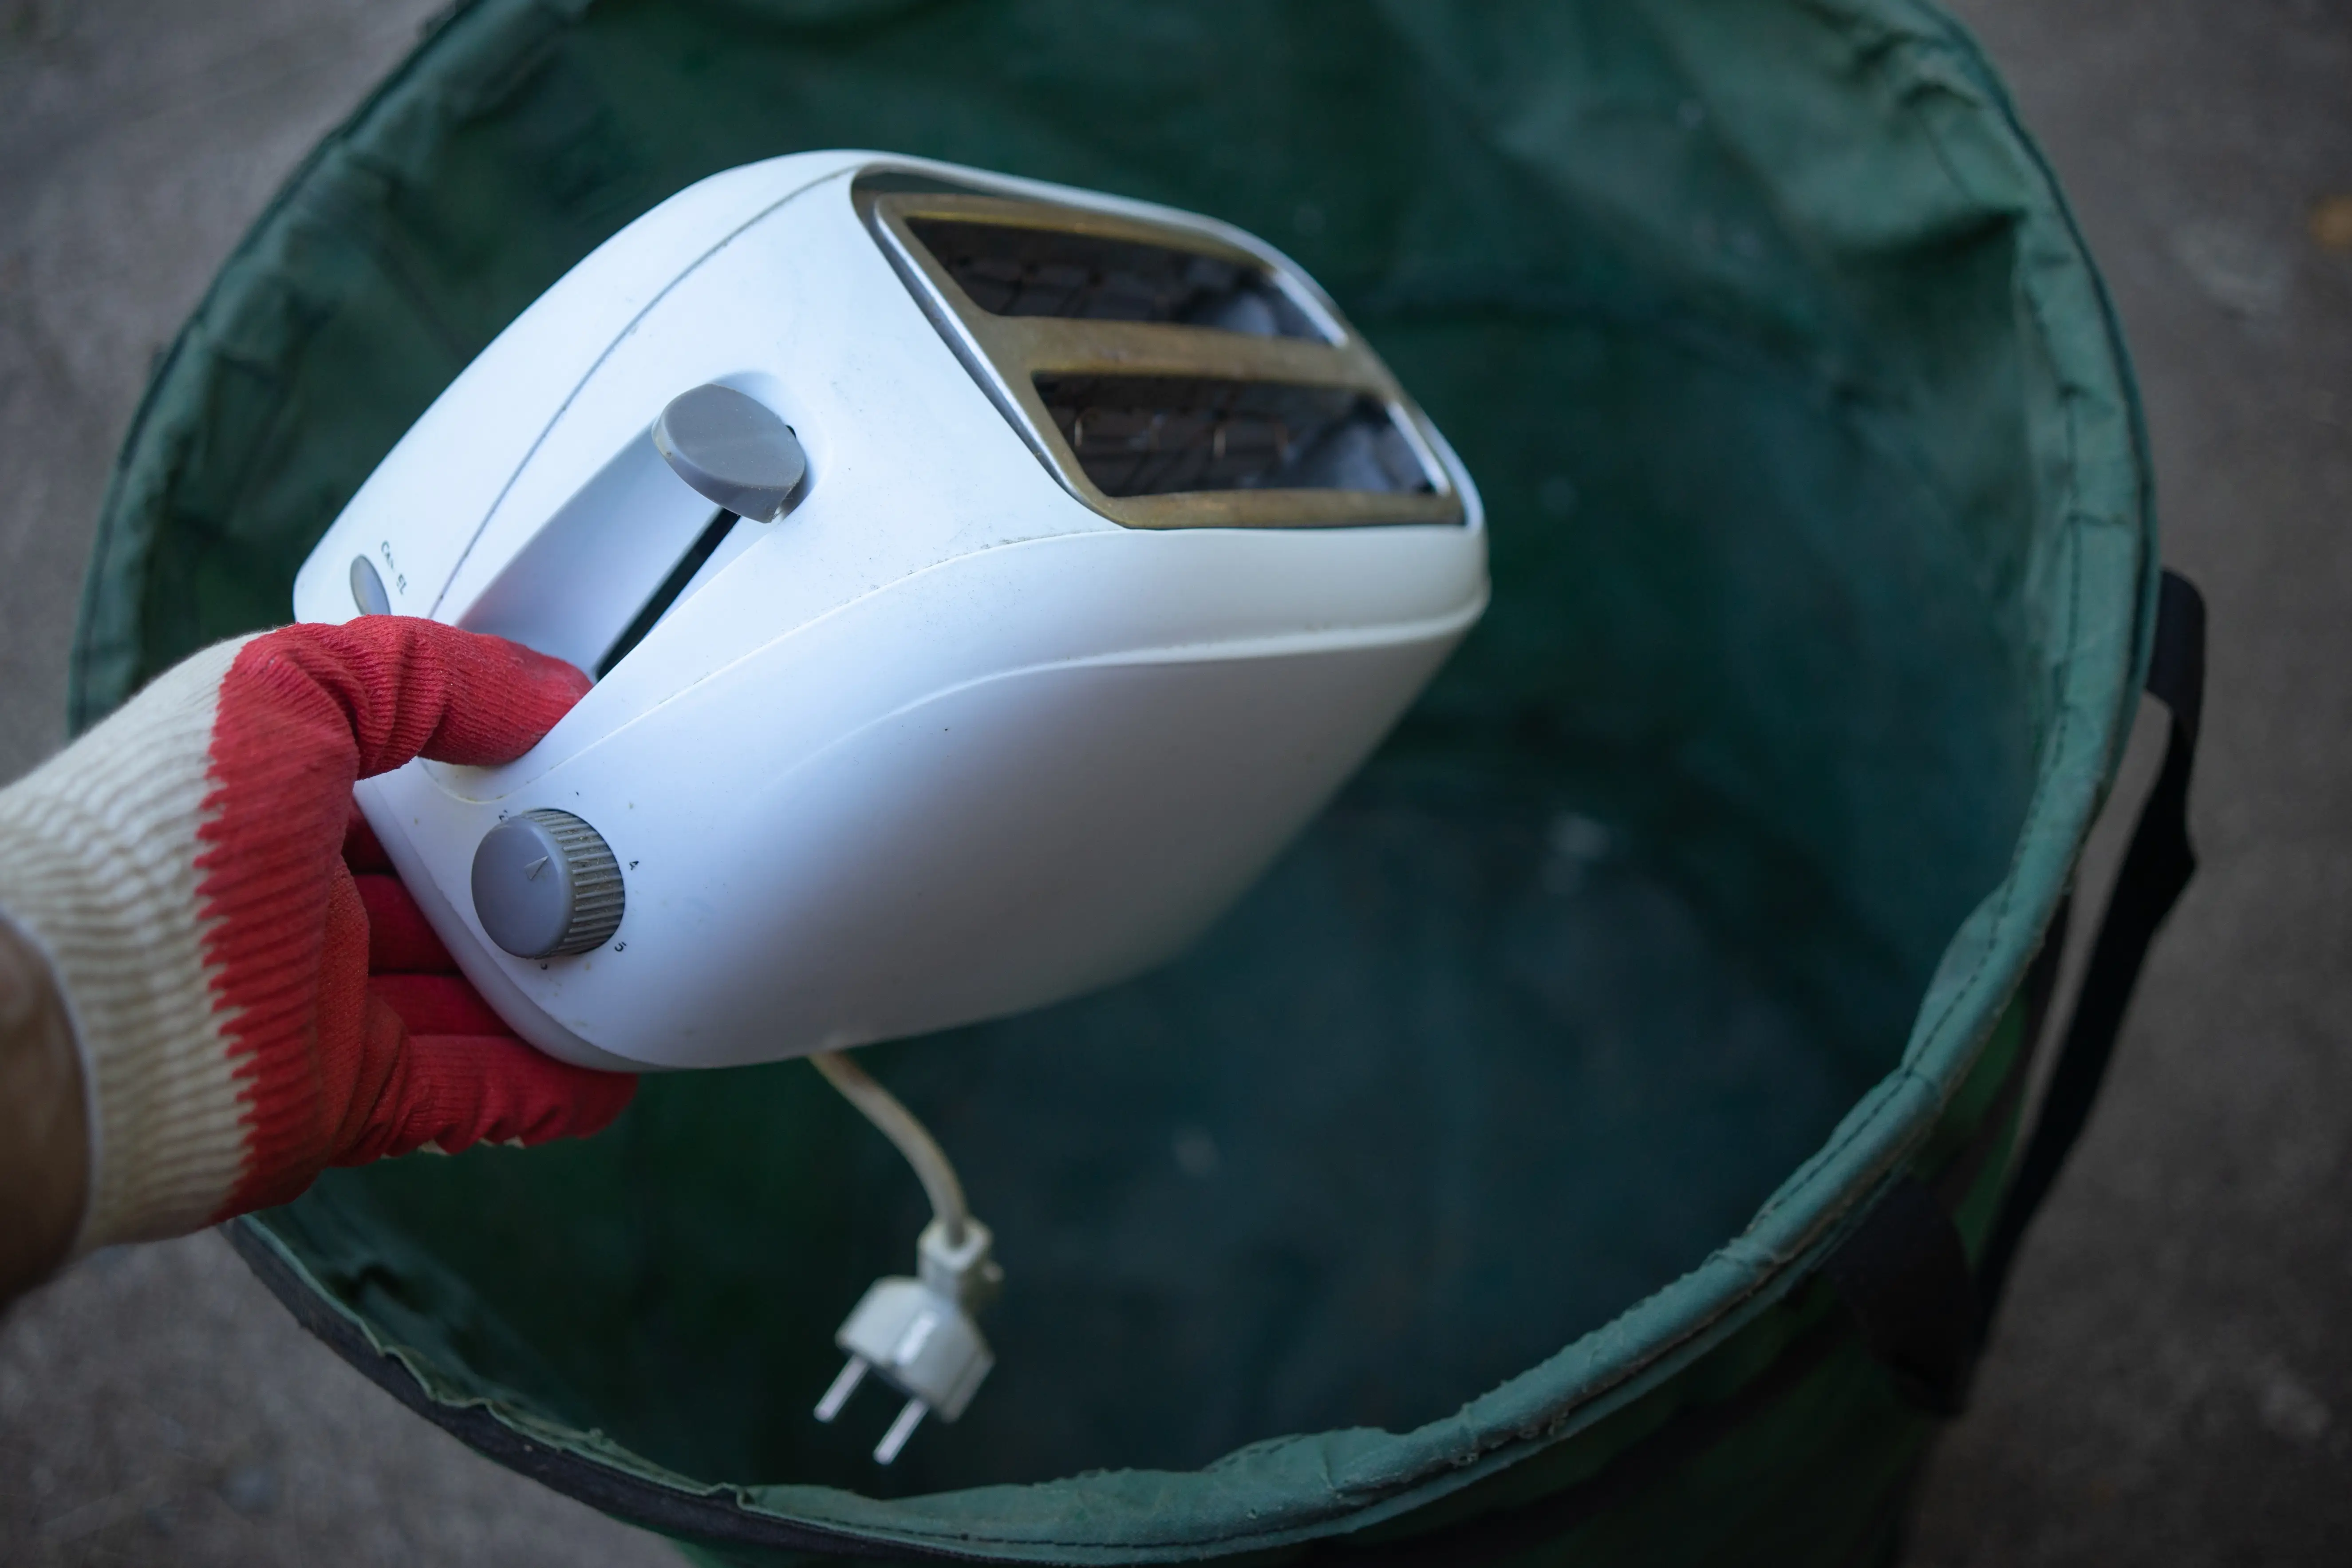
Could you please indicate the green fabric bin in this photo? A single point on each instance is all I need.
(1487, 1186)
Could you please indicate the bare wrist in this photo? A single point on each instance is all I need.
(44, 1131)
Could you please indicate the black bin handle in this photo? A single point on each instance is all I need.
(1902, 1272)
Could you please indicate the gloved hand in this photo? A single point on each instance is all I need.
(456, 1074)
(183, 869)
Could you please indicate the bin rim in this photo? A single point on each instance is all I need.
(1309, 1486)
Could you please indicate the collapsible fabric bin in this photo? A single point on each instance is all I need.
(1580, 1148)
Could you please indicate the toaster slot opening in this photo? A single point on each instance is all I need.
(1145, 436)
(1168, 374)
(1008, 270)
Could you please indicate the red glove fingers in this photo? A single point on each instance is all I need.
(463, 1078)
(181, 867)
(304, 713)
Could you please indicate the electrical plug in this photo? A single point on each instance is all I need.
(917, 1335)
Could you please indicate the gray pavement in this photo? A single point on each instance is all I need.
(2172, 1382)
(157, 1405)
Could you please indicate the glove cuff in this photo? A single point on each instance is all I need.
(99, 853)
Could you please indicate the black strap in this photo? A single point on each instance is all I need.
(1904, 1276)
(2155, 869)
(1903, 1273)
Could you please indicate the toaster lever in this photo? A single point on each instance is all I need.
(732, 449)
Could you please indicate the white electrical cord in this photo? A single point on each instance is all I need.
(913, 1140)
(917, 1335)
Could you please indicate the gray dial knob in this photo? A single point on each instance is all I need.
(546, 883)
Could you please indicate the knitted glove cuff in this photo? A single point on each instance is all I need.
(99, 867)
(180, 869)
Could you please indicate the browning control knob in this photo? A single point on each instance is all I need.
(546, 883)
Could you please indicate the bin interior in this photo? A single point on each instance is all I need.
(1636, 903)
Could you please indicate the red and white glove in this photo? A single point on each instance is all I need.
(182, 869)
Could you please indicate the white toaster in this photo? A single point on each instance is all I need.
(984, 580)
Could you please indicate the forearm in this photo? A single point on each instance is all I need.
(44, 1131)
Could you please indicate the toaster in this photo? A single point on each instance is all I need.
(982, 579)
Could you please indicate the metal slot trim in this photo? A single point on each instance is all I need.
(1005, 354)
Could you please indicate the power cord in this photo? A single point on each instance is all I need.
(917, 1335)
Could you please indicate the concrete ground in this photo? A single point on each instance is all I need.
(2172, 1382)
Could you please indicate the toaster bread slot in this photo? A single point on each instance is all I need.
(1008, 270)
(1145, 436)
(1169, 376)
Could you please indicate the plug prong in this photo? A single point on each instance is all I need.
(900, 1430)
(845, 1383)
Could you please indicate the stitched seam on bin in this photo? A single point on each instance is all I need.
(2074, 521)
(1734, 1301)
